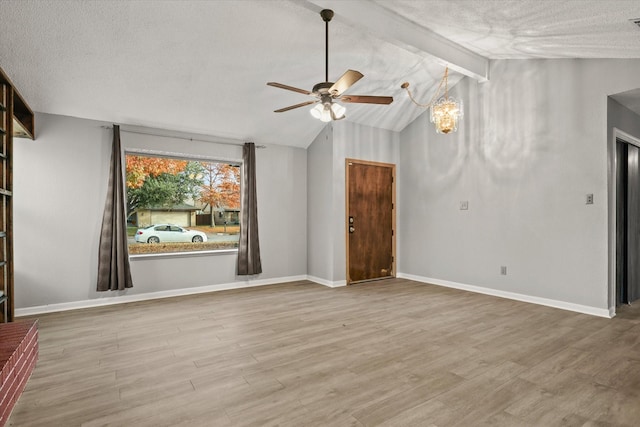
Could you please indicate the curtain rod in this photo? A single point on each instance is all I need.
(183, 137)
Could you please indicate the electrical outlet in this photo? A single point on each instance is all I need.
(503, 270)
(464, 205)
(589, 199)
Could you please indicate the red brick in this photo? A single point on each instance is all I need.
(18, 356)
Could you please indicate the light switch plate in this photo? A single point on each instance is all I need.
(589, 199)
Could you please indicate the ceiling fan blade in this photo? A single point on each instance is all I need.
(364, 99)
(291, 107)
(345, 82)
(295, 89)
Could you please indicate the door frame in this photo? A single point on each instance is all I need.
(617, 134)
(392, 166)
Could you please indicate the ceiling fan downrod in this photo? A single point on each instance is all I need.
(327, 15)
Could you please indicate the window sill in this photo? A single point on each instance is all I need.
(182, 254)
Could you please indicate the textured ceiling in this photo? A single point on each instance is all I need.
(531, 28)
(201, 66)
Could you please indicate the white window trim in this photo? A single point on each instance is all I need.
(181, 156)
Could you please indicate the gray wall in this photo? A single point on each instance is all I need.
(532, 145)
(353, 141)
(620, 117)
(320, 206)
(60, 185)
(326, 190)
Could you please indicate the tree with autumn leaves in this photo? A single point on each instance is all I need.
(166, 182)
(221, 186)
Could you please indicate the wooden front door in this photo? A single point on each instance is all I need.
(370, 220)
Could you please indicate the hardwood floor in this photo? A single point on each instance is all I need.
(391, 353)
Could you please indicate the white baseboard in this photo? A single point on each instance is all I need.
(326, 282)
(601, 312)
(120, 299)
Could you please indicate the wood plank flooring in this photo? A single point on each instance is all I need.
(386, 353)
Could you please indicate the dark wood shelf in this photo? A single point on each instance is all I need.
(16, 120)
(23, 117)
(22, 129)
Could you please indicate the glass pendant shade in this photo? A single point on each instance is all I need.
(446, 114)
(319, 112)
(338, 111)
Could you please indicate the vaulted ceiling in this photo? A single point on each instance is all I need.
(202, 66)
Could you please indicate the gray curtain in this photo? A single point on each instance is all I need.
(249, 246)
(114, 272)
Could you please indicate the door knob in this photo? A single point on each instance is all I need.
(352, 229)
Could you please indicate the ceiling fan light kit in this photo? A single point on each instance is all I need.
(328, 111)
(328, 93)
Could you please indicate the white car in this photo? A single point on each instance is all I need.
(168, 233)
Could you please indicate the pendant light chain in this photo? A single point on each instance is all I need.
(446, 82)
(405, 86)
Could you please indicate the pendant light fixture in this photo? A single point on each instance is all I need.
(446, 112)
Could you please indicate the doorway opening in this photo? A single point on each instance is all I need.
(627, 217)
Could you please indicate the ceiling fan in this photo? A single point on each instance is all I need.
(327, 92)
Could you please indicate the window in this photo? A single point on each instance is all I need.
(181, 205)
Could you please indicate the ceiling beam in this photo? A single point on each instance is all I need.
(388, 26)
